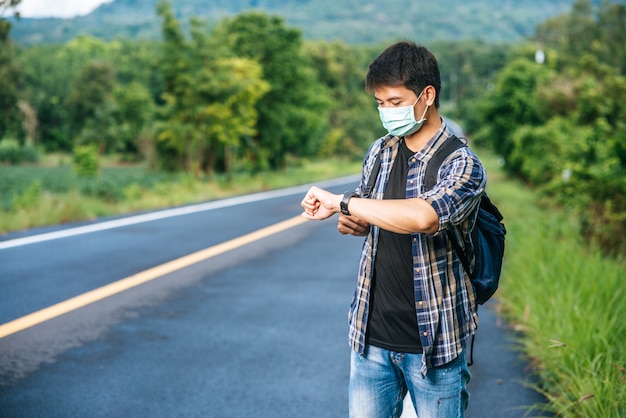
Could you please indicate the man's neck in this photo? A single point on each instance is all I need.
(416, 141)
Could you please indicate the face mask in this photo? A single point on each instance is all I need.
(400, 121)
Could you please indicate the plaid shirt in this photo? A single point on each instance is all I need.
(444, 297)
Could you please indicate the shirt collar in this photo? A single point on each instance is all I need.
(429, 148)
(433, 143)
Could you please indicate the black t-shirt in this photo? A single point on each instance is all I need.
(392, 321)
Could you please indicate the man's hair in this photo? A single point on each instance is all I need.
(405, 64)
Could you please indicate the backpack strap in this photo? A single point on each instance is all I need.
(432, 169)
(371, 181)
(430, 179)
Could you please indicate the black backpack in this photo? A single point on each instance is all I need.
(487, 235)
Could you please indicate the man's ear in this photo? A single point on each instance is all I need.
(430, 94)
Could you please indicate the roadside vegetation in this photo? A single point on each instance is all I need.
(38, 195)
(565, 299)
(94, 128)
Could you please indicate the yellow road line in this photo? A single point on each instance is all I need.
(103, 292)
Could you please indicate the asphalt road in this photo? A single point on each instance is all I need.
(256, 331)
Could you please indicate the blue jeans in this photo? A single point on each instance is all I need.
(380, 379)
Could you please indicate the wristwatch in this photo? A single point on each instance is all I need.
(344, 202)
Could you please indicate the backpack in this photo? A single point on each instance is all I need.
(487, 235)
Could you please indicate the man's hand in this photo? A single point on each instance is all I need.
(352, 225)
(320, 204)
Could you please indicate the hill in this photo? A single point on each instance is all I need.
(353, 21)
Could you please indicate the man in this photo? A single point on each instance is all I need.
(414, 308)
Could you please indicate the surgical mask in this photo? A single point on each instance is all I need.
(400, 121)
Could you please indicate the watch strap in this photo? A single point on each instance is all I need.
(343, 205)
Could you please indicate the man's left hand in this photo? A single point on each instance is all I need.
(320, 204)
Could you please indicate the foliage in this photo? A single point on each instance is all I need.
(30, 198)
(293, 113)
(210, 98)
(10, 76)
(561, 127)
(8, 4)
(86, 161)
(467, 72)
(133, 114)
(202, 87)
(566, 299)
(51, 75)
(511, 104)
(12, 152)
(352, 117)
(600, 31)
(63, 196)
(89, 104)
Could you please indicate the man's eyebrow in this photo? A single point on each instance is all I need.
(388, 99)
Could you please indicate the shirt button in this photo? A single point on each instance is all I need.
(411, 182)
(425, 334)
(417, 270)
(420, 303)
(413, 160)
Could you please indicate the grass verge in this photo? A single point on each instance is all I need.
(34, 196)
(568, 301)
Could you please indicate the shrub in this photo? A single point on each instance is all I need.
(30, 198)
(13, 153)
(86, 161)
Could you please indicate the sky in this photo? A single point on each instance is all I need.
(58, 8)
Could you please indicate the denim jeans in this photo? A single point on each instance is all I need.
(380, 379)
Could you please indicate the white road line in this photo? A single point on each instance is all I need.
(169, 213)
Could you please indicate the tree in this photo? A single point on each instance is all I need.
(10, 75)
(511, 105)
(565, 133)
(134, 110)
(612, 24)
(90, 105)
(353, 119)
(587, 29)
(210, 98)
(293, 114)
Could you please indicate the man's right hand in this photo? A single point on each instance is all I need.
(351, 225)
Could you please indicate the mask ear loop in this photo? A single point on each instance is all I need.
(425, 110)
(427, 106)
(418, 98)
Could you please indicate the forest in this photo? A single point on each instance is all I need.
(120, 120)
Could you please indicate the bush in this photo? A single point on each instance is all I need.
(13, 153)
(30, 198)
(86, 161)
(103, 189)
(565, 133)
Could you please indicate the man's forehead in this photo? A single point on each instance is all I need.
(392, 92)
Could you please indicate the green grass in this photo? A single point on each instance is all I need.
(49, 194)
(569, 302)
